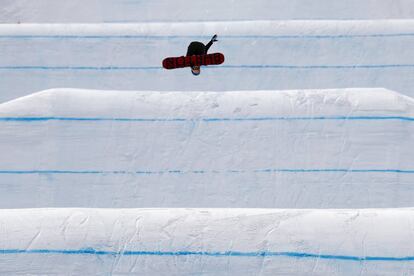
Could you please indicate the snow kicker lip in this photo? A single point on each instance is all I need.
(212, 119)
(148, 172)
(91, 251)
(167, 37)
(235, 66)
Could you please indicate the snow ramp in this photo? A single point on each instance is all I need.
(221, 156)
(260, 55)
(115, 11)
(256, 149)
(239, 171)
(207, 242)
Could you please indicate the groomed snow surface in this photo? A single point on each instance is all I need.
(267, 149)
(207, 242)
(116, 11)
(294, 157)
(343, 148)
(260, 55)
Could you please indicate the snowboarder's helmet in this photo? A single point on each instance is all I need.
(195, 70)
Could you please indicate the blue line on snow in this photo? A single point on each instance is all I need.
(80, 68)
(36, 119)
(316, 118)
(243, 66)
(167, 37)
(357, 66)
(207, 253)
(209, 172)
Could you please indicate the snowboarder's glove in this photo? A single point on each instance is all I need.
(214, 38)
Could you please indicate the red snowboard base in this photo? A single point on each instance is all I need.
(188, 61)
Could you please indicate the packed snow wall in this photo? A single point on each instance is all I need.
(273, 149)
(246, 148)
(207, 242)
(270, 55)
(115, 11)
(347, 148)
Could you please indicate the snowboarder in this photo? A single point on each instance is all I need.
(196, 56)
(198, 48)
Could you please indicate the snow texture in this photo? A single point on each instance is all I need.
(260, 55)
(273, 149)
(120, 11)
(343, 148)
(207, 242)
(294, 157)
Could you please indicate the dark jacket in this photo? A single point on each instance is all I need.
(198, 48)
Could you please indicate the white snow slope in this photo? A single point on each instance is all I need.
(269, 55)
(344, 148)
(81, 148)
(244, 179)
(110, 11)
(207, 242)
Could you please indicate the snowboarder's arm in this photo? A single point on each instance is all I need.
(213, 39)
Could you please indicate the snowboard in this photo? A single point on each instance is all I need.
(195, 60)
